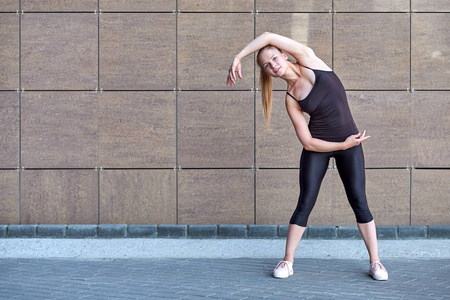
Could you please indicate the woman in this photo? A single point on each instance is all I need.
(314, 88)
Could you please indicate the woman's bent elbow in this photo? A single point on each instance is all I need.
(307, 146)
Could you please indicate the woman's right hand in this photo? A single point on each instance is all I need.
(355, 140)
(235, 67)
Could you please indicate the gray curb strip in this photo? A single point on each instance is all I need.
(222, 231)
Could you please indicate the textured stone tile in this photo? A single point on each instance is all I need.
(59, 197)
(387, 193)
(215, 129)
(59, 5)
(430, 127)
(9, 128)
(137, 51)
(216, 5)
(137, 129)
(430, 5)
(293, 6)
(313, 30)
(59, 130)
(172, 231)
(277, 193)
(386, 116)
(138, 5)
(362, 41)
(82, 231)
(9, 197)
(371, 5)
(203, 231)
(138, 197)
(59, 51)
(277, 145)
(429, 201)
(9, 6)
(9, 51)
(203, 58)
(215, 197)
(430, 54)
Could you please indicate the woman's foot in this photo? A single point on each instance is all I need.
(283, 269)
(377, 271)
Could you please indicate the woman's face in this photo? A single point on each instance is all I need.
(273, 62)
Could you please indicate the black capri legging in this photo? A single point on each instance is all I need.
(313, 166)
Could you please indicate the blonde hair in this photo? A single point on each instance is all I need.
(265, 85)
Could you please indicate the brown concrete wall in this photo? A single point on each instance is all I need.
(117, 111)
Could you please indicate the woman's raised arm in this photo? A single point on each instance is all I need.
(303, 54)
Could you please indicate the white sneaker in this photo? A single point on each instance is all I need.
(283, 269)
(377, 271)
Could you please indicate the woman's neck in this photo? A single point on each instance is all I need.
(292, 74)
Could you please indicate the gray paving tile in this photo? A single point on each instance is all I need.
(220, 279)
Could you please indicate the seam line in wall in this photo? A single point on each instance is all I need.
(254, 118)
(20, 112)
(176, 116)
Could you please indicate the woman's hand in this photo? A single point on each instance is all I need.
(355, 140)
(235, 67)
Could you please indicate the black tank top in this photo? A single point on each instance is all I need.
(331, 119)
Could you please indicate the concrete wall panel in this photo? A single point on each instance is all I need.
(430, 46)
(9, 51)
(138, 5)
(137, 51)
(59, 130)
(371, 50)
(137, 129)
(59, 51)
(59, 5)
(59, 197)
(138, 197)
(430, 6)
(9, 197)
(429, 129)
(429, 202)
(204, 59)
(9, 5)
(293, 6)
(215, 197)
(215, 129)
(9, 128)
(371, 6)
(216, 5)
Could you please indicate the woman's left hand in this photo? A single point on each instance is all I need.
(235, 67)
(355, 140)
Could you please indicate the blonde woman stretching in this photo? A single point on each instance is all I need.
(312, 87)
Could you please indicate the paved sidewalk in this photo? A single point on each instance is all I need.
(219, 279)
(218, 269)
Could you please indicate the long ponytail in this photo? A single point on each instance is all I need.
(265, 84)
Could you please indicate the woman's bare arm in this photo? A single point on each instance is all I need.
(303, 54)
(313, 144)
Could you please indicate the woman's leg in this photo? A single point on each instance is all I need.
(350, 164)
(294, 236)
(369, 234)
(313, 167)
